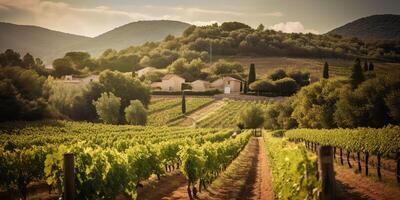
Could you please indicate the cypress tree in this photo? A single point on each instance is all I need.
(325, 73)
(245, 86)
(183, 102)
(365, 65)
(252, 74)
(357, 75)
(371, 66)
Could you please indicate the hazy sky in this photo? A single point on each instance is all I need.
(93, 17)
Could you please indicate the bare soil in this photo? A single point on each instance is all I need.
(353, 185)
(248, 177)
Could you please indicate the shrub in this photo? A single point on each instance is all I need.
(278, 74)
(286, 86)
(252, 117)
(136, 113)
(108, 108)
(263, 86)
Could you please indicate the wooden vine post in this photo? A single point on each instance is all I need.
(326, 172)
(69, 177)
(398, 167)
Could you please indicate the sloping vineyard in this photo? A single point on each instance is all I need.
(384, 142)
(226, 116)
(165, 111)
(106, 155)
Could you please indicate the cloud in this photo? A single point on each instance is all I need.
(292, 27)
(273, 14)
(64, 17)
(92, 21)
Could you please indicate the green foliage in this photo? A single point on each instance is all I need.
(10, 58)
(228, 115)
(384, 141)
(28, 61)
(107, 162)
(183, 103)
(293, 170)
(154, 76)
(80, 60)
(392, 101)
(301, 78)
(170, 111)
(366, 106)
(63, 66)
(21, 95)
(252, 117)
(325, 72)
(231, 26)
(189, 70)
(278, 115)
(281, 87)
(267, 86)
(278, 74)
(21, 167)
(314, 105)
(136, 113)
(252, 74)
(223, 67)
(125, 87)
(285, 86)
(357, 76)
(108, 108)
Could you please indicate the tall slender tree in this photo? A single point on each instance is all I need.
(325, 73)
(252, 74)
(366, 65)
(183, 102)
(357, 75)
(371, 66)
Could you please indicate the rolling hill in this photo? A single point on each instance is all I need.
(375, 27)
(135, 33)
(40, 42)
(48, 44)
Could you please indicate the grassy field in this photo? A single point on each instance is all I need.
(338, 67)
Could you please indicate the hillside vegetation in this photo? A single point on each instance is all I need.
(375, 27)
(36, 40)
(48, 44)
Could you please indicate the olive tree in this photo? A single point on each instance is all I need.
(107, 107)
(135, 113)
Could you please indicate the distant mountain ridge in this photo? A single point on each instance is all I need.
(135, 33)
(40, 42)
(48, 44)
(375, 27)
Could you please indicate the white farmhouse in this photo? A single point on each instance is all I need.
(169, 82)
(200, 85)
(227, 85)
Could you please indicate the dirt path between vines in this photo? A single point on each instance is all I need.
(248, 177)
(354, 186)
(202, 113)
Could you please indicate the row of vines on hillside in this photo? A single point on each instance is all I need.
(109, 160)
(169, 110)
(383, 142)
(227, 115)
(294, 170)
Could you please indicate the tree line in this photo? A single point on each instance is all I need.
(28, 91)
(364, 99)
